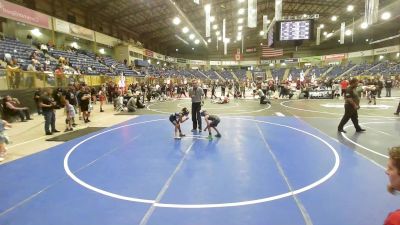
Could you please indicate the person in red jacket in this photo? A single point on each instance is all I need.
(393, 172)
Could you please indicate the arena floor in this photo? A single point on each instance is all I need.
(282, 163)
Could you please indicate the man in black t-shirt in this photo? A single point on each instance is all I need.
(351, 105)
(36, 98)
(48, 106)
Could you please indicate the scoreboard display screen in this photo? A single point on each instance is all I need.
(295, 30)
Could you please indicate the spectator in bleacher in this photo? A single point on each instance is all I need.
(48, 106)
(44, 49)
(388, 86)
(14, 73)
(12, 107)
(34, 55)
(36, 98)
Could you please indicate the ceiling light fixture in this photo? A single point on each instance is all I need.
(240, 28)
(215, 26)
(350, 8)
(185, 30)
(321, 26)
(176, 21)
(386, 15)
(348, 32)
(364, 25)
(212, 19)
(197, 41)
(240, 20)
(241, 11)
(191, 36)
(334, 18)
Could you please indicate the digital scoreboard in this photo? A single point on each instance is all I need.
(295, 30)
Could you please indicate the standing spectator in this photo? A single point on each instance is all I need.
(14, 73)
(84, 97)
(379, 87)
(48, 105)
(393, 173)
(70, 111)
(59, 76)
(388, 87)
(352, 104)
(196, 94)
(398, 110)
(36, 98)
(343, 84)
(3, 139)
(102, 97)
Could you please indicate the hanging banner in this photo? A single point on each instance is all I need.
(198, 62)
(289, 60)
(334, 57)
(107, 40)
(311, 59)
(265, 26)
(158, 56)
(170, 59)
(184, 61)
(207, 9)
(148, 53)
(215, 63)
(251, 50)
(72, 29)
(385, 50)
(371, 11)
(318, 41)
(342, 31)
(19, 13)
(224, 36)
(360, 54)
(278, 9)
(252, 13)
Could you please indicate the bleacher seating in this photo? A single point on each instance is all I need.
(318, 71)
(339, 70)
(226, 75)
(81, 62)
(278, 73)
(21, 52)
(240, 74)
(211, 74)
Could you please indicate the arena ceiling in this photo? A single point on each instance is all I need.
(151, 21)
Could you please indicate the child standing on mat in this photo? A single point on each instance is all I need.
(178, 118)
(212, 121)
(70, 111)
(3, 139)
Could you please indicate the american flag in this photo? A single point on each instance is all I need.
(267, 52)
